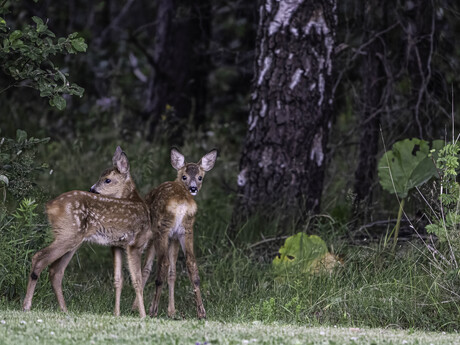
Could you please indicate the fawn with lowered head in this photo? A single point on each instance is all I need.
(113, 214)
(172, 211)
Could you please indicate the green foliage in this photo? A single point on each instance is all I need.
(407, 166)
(301, 252)
(26, 55)
(18, 166)
(448, 166)
(21, 236)
(446, 221)
(21, 230)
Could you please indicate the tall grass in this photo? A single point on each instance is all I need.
(371, 289)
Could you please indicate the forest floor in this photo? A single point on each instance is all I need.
(45, 327)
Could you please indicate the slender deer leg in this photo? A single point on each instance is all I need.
(173, 252)
(192, 269)
(134, 263)
(146, 270)
(56, 273)
(40, 261)
(162, 271)
(117, 254)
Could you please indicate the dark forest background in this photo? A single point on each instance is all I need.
(181, 72)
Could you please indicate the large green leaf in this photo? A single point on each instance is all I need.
(301, 252)
(407, 165)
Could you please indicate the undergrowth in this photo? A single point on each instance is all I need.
(372, 288)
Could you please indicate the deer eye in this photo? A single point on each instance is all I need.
(184, 177)
(108, 180)
(200, 178)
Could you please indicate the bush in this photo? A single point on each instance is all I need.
(19, 169)
(26, 56)
(22, 233)
(21, 221)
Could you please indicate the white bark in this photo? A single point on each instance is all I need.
(316, 152)
(296, 78)
(285, 10)
(267, 63)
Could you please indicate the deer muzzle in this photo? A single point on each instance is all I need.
(93, 189)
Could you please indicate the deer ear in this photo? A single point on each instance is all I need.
(208, 160)
(120, 161)
(177, 159)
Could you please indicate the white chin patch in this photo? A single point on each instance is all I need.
(193, 193)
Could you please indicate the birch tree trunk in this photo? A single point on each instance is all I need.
(283, 161)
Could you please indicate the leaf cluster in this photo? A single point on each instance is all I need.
(19, 167)
(407, 165)
(26, 56)
(448, 166)
(445, 225)
(21, 236)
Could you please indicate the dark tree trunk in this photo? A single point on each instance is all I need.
(283, 161)
(178, 87)
(420, 35)
(373, 81)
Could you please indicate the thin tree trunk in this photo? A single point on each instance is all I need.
(283, 161)
(420, 35)
(373, 78)
(181, 64)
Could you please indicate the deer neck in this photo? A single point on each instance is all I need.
(130, 191)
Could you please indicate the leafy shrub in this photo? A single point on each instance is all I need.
(446, 218)
(21, 229)
(25, 55)
(21, 236)
(18, 166)
(406, 166)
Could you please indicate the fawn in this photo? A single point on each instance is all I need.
(172, 211)
(113, 214)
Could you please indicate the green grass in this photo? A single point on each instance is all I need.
(38, 327)
(370, 290)
(375, 291)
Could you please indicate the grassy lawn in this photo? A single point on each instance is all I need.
(38, 327)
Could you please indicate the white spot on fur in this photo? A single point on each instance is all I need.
(77, 219)
(99, 239)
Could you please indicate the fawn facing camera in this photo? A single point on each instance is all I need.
(172, 211)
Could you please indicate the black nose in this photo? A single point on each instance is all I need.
(193, 189)
(92, 190)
